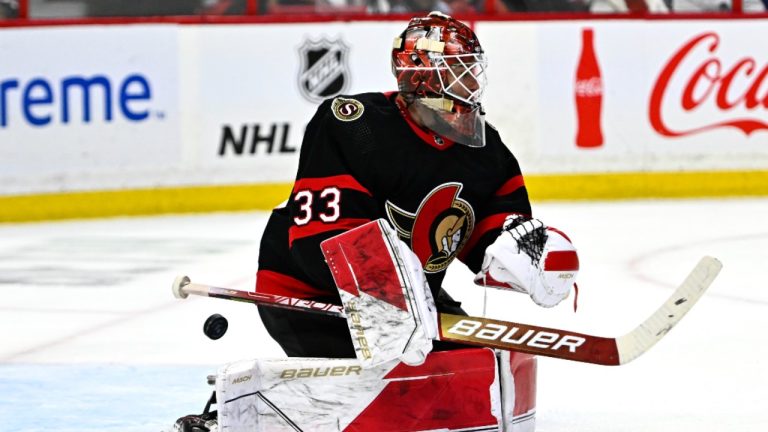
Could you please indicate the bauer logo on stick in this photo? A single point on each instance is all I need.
(347, 109)
(472, 329)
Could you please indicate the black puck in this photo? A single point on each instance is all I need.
(215, 326)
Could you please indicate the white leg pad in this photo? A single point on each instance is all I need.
(517, 373)
(452, 390)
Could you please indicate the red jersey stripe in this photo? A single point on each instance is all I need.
(271, 282)
(317, 227)
(511, 185)
(344, 181)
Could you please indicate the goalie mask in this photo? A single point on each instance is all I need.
(440, 70)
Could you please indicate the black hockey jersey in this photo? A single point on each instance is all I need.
(363, 158)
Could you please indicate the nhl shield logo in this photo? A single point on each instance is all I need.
(324, 71)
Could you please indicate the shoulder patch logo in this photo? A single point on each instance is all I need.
(347, 109)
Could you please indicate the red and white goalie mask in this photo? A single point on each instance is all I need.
(440, 70)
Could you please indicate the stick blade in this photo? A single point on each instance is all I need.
(642, 338)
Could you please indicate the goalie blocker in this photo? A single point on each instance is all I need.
(389, 307)
(468, 389)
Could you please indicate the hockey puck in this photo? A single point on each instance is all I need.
(215, 326)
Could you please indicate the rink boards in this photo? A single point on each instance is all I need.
(152, 118)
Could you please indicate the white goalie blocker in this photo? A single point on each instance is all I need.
(389, 307)
(468, 389)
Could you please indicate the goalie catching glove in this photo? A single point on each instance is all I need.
(531, 258)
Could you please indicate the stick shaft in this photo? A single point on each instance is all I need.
(563, 344)
(455, 328)
(271, 300)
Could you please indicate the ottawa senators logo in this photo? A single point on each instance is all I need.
(347, 109)
(439, 228)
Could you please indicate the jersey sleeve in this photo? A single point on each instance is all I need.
(510, 197)
(330, 194)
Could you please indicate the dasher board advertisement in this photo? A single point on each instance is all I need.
(144, 106)
(87, 107)
(632, 95)
(258, 87)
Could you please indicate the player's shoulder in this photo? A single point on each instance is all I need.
(493, 138)
(358, 122)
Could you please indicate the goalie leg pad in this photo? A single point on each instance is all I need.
(517, 374)
(451, 390)
(390, 310)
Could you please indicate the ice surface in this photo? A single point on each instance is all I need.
(93, 339)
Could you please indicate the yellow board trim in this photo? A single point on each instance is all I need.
(201, 199)
(97, 204)
(708, 184)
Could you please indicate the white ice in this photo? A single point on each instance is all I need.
(91, 338)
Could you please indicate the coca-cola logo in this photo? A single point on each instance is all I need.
(712, 82)
(589, 87)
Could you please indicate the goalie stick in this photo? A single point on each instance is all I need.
(563, 344)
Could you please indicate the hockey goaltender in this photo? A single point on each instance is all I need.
(391, 188)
